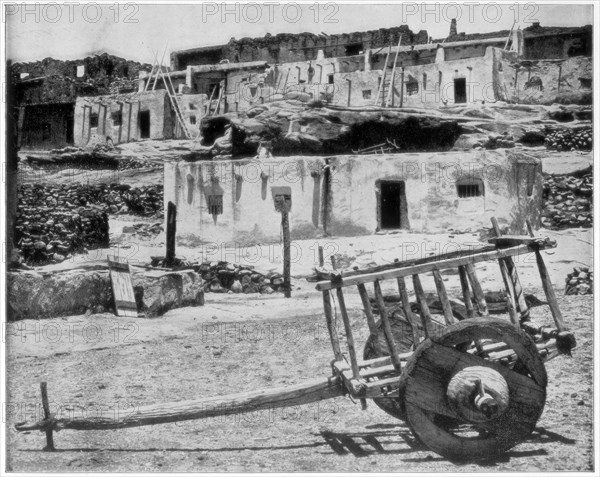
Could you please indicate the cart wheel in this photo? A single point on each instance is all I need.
(491, 407)
(377, 347)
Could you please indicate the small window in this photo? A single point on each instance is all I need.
(585, 83)
(424, 81)
(468, 189)
(192, 106)
(215, 204)
(366, 94)
(440, 78)
(354, 49)
(192, 120)
(412, 87)
(330, 79)
(117, 118)
(94, 120)
(125, 71)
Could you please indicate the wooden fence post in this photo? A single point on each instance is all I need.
(171, 230)
(285, 226)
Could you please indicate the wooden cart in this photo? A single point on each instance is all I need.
(469, 389)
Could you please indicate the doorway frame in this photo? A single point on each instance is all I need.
(404, 222)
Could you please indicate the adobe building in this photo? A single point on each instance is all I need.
(234, 200)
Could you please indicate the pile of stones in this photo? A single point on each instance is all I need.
(568, 201)
(580, 282)
(569, 140)
(224, 277)
(46, 234)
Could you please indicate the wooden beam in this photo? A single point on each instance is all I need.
(477, 290)
(364, 296)
(253, 401)
(410, 316)
(464, 284)
(287, 262)
(470, 258)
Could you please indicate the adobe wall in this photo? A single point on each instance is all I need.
(130, 106)
(537, 81)
(431, 190)
(247, 186)
(342, 198)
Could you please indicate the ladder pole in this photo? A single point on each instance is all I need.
(390, 91)
(379, 91)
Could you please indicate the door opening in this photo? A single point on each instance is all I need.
(393, 212)
(460, 90)
(144, 120)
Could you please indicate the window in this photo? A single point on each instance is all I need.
(467, 189)
(366, 94)
(424, 80)
(215, 204)
(117, 118)
(192, 120)
(94, 120)
(330, 79)
(192, 106)
(353, 49)
(412, 87)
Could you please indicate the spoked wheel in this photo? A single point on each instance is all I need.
(465, 406)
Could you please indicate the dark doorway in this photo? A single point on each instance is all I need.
(460, 90)
(393, 213)
(144, 121)
(69, 126)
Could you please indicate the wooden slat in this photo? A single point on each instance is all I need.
(364, 296)
(464, 283)
(331, 327)
(477, 290)
(410, 316)
(387, 328)
(471, 258)
(548, 288)
(425, 314)
(441, 289)
(519, 296)
(122, 288)
(349, 335)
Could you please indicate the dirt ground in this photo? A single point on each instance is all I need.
(99, 363)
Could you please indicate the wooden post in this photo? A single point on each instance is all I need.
(446, 306)
(387, 328)
(321, 258)
(412, 319)
(425, 313)
(47, 417)
(520, 302)
(104, 119)
(401, 86)
(477, 290)
(559, 78)
(83, 125)
(331, 326)
(364, 296)
(285, 227)
(171, 232)
(382, 85)
(349, 90)
(349, 340)
(464, 283)
(548, 288)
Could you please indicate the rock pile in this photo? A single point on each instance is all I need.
(568, 201)
(54, 221)
(569, 140)
(580, 282)
(224, 277)
(47, 235)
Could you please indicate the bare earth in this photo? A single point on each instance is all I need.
(236, 343)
